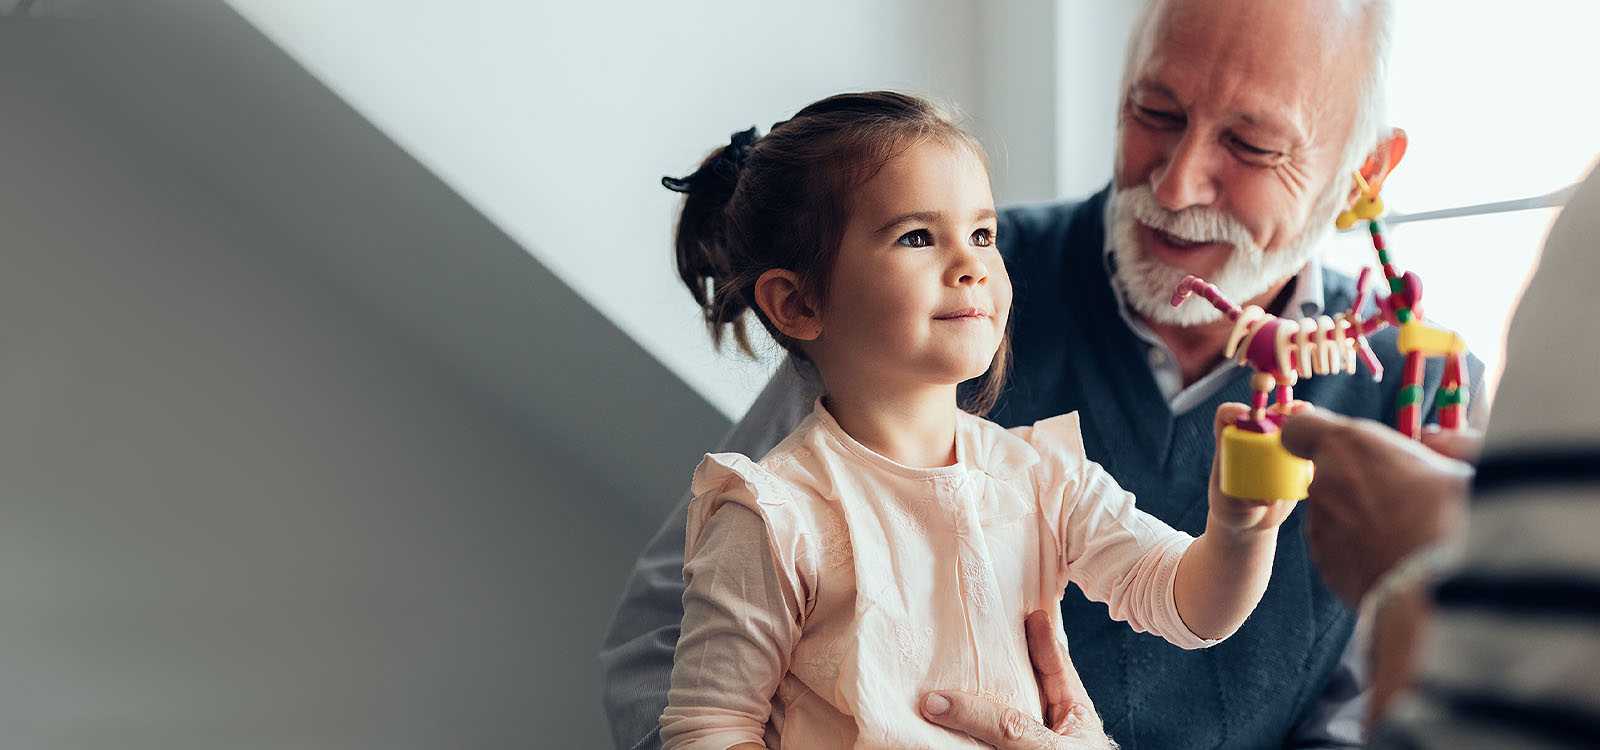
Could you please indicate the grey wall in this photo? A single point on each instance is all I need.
(297, 449)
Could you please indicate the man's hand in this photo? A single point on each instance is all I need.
(1066, 702)
(1067, 708)
(1006, 728)
(1377, 496)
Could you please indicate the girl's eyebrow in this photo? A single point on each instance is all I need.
(923, 216)
(930, 217)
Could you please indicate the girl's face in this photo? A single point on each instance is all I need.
(918, 293)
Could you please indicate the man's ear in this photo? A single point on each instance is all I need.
(1381, 162)
(779, 296)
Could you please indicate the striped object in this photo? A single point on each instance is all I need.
(1513, 657)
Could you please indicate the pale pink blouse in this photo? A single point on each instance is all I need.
(846, 585)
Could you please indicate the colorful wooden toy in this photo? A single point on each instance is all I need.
(1253, 463)
(1418, 340)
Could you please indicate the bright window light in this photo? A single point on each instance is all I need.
(1498, 102)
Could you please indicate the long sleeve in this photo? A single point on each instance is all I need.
(1125, 557)
(740, 623)
(636, 660)
(1115, 552)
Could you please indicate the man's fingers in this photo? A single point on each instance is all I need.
(1069, 719)
(985, 720)
(1044, 648)
(1462, 445)
(1305, 431)
(1050, 666)
(1066, 702)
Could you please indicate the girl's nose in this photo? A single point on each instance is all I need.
(968, 270)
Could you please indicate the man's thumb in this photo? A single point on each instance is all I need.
(1305, 431)
(1462, 445)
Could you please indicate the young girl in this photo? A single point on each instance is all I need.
(893, 543)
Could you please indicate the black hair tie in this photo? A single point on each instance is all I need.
(734, 156)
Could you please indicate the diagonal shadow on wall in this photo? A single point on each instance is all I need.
(298, 448)
(347, 202)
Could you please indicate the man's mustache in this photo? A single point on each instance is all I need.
(1193, 224)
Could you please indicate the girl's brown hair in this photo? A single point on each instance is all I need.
(782, 201)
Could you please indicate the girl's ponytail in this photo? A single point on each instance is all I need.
(704, 250)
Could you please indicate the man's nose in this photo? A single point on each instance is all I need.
(1187, 178)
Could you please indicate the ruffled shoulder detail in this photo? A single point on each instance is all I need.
(1001, 453)
(1057, 438)
(735, 476)
(789, 524)
(1058, 445)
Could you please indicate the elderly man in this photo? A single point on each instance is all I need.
(1241, 123)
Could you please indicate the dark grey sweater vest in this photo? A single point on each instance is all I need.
(1075, 353)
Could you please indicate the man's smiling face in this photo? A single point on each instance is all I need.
(1231, 134)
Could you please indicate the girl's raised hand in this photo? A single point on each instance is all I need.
(1237, 516)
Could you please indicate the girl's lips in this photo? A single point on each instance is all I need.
(971, 313)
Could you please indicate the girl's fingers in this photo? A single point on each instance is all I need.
(1228, 413)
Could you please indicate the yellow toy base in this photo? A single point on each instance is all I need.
(1254, 466)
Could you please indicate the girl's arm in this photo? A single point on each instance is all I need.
(740, 624)
(1224, 573)
(1190, 591)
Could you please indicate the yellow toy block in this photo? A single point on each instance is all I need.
(1254, 466)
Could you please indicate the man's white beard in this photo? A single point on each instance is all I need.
(1148, 283)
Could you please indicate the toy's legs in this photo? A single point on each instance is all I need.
(1258, 404)
(1261, 385)
(1452, 397)
(1253, 463)
(1408, 417)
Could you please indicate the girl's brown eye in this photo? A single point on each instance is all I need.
(916, 238)
(983, 238)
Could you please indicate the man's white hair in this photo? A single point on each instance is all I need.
(1372, 107)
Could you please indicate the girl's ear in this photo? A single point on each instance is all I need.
(780, 299)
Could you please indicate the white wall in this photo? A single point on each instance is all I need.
(557, 119)
(1015, 107)
(1091, 42)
